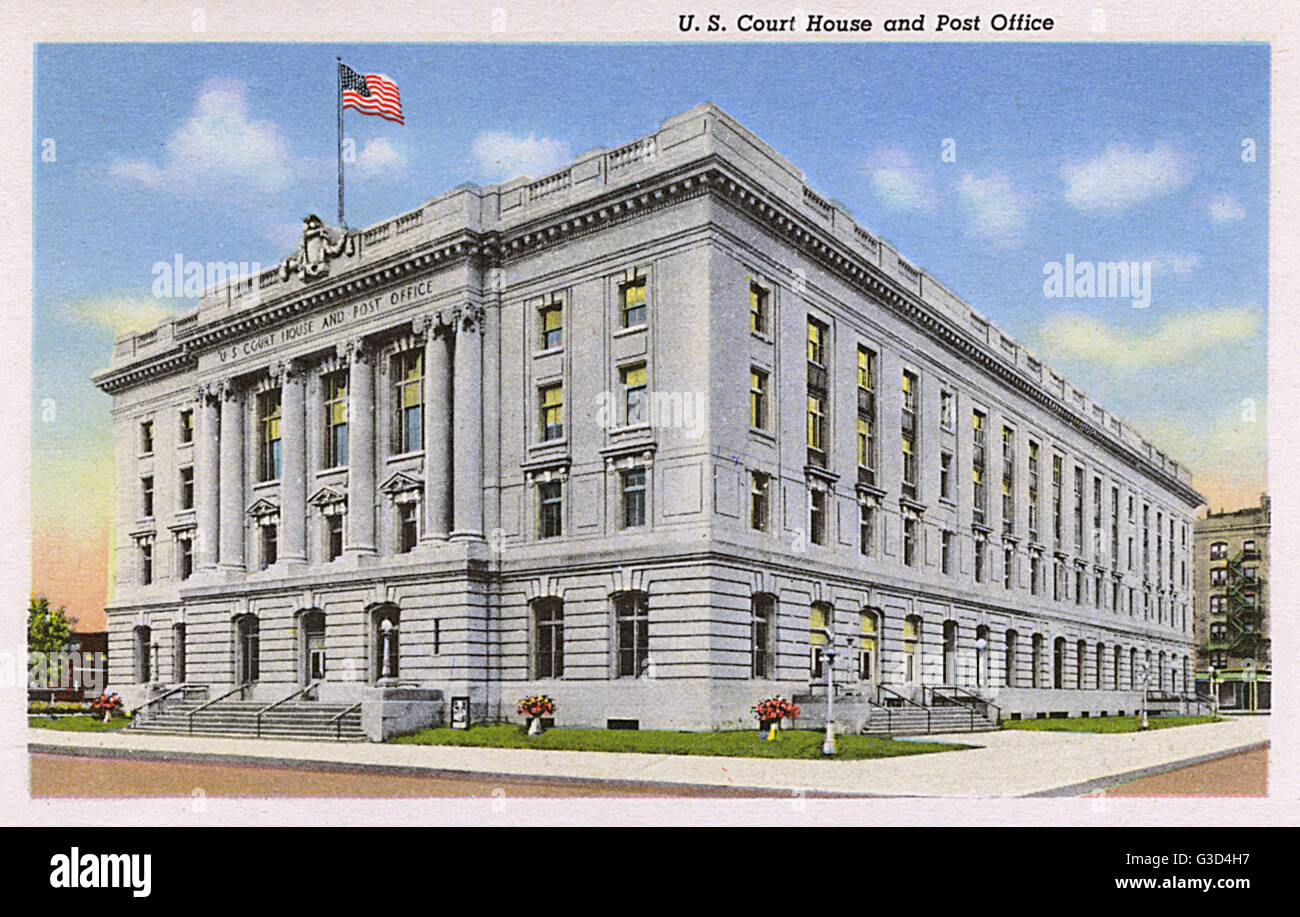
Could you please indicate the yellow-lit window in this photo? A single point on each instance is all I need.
(865, 442)
(552, 402)
(816, 422)
(758, 399)
(633, 303)
(270, 420)
(552, 326)
(816, 342)
(866, 370)
(634, 394)
(336, 419)
(758, 300)
(410, 401)
(818, 626)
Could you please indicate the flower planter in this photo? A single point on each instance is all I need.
(769, 729)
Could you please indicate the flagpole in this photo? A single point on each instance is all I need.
(338, 98)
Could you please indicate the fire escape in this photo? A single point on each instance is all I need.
(1243, 637)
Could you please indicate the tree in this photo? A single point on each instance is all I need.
(49, 630)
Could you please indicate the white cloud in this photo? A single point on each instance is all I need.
(898, 183)
(1177, 340)
(498, 155)
(1123, 176)
(1225, 208)
(380, 158)
(217, 144)
(995, 207)
(120, 314)
(1180, 263)
(283, 235)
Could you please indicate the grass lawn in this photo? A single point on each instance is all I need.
(1106, 723)
(79, 723)
(747, 744)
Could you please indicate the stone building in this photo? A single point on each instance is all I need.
(1231, 607)
(647, 434)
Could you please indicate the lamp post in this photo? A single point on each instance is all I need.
(1145, 672)
(828, 744)
(980, 646)
(1214, 693)
(389, 633)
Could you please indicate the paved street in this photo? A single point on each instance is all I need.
(1241, 774)
(1008, 763)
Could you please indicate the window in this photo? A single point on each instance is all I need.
(1057, 521)
(187, 426)
(336, 419)
(632, 626)
(1248, 546)
(1009, 663)
(1080, 663)
(1217, 604)
(1114, 527)
(1008, 567)
(634, 497)
(632, 379)
(763, 631)
(945, 552)
(819, 638)
(816, 342)
(146, 437)
(269, 420)
(866, 529)
(408, 371)
(550, 523)
(1080, 586)
(187, 487)
(334, 535)
(945, 475)
(759, 308)
(551, 399)
(1218, 576)
(143, 652)
(632, 295)
(548, 638)
(758, 501)
(867, 647)
(184, 555)
(1219, 550)
(408, 526)
(817, 515)
(866, 419)
(909, 427)
(269, 545)
(911, 649)
(178, 653)
(1033, 490)
(146, 496)
(1078, 509)
(1098, 593)
(817, 422)
(1008, 480)
(909, 542)
(551, 325)
(146, 561)
(1249, 573)
(1036, 661)
(980, 551)
(977, 465)
(947, 409)
(1034, 569)
(757, 399)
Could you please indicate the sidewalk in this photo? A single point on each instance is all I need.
(1008, 763)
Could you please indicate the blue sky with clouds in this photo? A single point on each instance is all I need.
(1103, 152)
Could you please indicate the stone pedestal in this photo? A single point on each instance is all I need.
(389, 710)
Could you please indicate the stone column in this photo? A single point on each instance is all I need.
(468, 425)
(206, 490)
(360, 535)
(232, 477)
(437, 426)
(293, 483)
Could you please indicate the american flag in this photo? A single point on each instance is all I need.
(372, 94)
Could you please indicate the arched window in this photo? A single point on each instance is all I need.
(1133, 668)
(1010, 663)
(311, 646)
(868, 646)
(1058, 662)
(247, 649)
(820, 629)
(982, 649)
(178, 652)
(1036, 661)
(548, 637)
(911, 649)
(142, 651)
(1114, 675)
(762, 635)
(385, 643)
(1080, 663)
(632, 634)
(1101, 665)
(949, 652)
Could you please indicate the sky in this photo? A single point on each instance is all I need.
(985, 164)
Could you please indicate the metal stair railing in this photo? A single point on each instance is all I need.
(976, 702)
(220, 697)
(136, 718)
(907, 701)
(937, 699)
(337, 720)
(288, 697)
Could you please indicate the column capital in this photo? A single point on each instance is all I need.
(291, 370)
(469, 317)
(354, 350)
(229, 390)
(433, 324)
(208, 392)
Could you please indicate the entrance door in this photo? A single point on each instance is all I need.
(246, 650)
(949, 652)
(313, 647)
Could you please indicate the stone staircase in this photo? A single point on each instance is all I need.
(297, 720)
(887, 712)
(907, 720)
